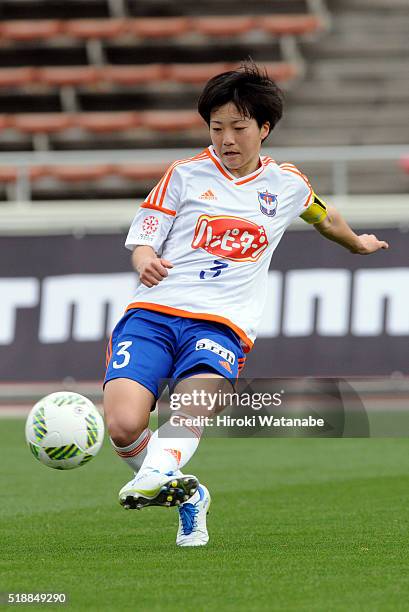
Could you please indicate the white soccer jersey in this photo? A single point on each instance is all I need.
(219, 232)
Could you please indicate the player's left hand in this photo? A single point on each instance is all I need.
(369, 243)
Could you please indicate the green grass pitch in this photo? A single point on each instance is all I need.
(295, 525)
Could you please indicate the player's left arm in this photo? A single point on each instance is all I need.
(328, 221)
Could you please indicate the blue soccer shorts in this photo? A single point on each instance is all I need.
(148, 346)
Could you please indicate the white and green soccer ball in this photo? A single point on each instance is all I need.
(64, 430)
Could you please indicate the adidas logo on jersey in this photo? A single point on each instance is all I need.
(208, 195)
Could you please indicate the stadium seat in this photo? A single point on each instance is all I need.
(68, 75)
(17, 77)
(108, 121)
(95, 28)
(170, 121)
(77, 173)
(8, 174)
(158, 27)
(132, 75)
(22, 31)
(38, 172)
(41, 123)
(280, 71)
(404, 164)
(5, 122)
(194, 73)
(138, 172)
(223, 26)
(281, 25)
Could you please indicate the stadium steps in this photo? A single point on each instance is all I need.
(356, 85)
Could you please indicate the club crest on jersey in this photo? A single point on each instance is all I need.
(268, 203)
(230, 237)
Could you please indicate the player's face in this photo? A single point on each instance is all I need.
(236, 139)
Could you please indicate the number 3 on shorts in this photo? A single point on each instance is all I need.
(122, 352)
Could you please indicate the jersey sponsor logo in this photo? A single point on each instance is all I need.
(268, 203)
(150, 224)
(210, 345)
(230, 237)
(226, 366)
(208, 195)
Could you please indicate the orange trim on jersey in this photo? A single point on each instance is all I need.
(218, 165)
(167, 211)
(294, 170)
(266, 159)
(223, 171)
(290, 168)
(309, 198)
(178, 312)
(159, 192)
(251, 178)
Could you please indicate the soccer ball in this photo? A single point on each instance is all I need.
(64, 430)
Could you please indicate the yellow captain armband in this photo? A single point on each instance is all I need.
(316, 212)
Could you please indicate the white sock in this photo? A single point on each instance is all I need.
(169, 453)
(135, 453)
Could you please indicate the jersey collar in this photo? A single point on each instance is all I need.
(211, 153)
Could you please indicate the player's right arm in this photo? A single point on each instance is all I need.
(151, 268)
(151, 226)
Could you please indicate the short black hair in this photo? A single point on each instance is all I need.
(250, 89)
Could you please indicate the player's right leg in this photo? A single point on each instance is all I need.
(127, 406)
(140, 354)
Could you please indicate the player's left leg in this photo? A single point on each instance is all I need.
(208, 354)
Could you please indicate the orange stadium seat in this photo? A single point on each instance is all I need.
(132, 75)
(5, 121)
(128, 75)
(38, 172)
(21, 31)
(223, 26)
(170, 121)
(404, 163)
(95, 28)
(8, 174)
(68, 75)
(194, 73)
(280, 71)
(158, 27)
(138, 172)
(17, 77)
(281, 25)
(41, 123)
(83, 172)
(108, 121)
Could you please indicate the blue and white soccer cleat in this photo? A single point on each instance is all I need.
(192, 519)
(153, 488)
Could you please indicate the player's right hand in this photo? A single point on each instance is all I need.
(153, 270)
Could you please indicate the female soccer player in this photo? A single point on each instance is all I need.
(201, 244)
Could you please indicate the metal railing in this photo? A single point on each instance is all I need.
(336, 157)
